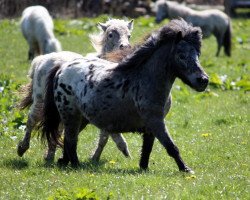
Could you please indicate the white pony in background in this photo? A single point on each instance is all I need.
(211, 21)
(114, 35)
(37, 28)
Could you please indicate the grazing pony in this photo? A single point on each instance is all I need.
(40, 67)
(210, 21)
(133, 95)
(37, 28)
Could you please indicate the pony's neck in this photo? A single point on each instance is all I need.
(159, 70)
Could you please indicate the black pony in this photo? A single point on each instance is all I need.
(132, 96)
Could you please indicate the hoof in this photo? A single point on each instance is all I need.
(95, 158)
(144, 166)
(22, 148)
(187, 170)
(75, 165)
(62, 162)
(49, 156)
(126, 153)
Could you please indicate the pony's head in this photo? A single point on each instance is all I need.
(52, 45)
(186, 52)
(161, 9)
(116, 34)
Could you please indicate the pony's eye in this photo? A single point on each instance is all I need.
(129, 36)
(110, 35)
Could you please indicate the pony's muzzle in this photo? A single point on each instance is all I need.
(202, 81)
(124, 46)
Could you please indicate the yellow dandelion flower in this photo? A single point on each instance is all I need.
(111, 162)
(205, 134)
(191, 177)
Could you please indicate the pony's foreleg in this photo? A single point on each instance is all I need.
(31, 52)
(157, 128)
(103, 139)
(120, 143)
(148, 141)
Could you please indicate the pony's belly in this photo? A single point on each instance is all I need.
(119, 124)
(118, 118)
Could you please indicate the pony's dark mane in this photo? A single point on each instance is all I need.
(167, 34)
(120, 54)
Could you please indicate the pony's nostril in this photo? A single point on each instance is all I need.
(123, 46)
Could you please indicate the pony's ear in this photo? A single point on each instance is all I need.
(103, 26)
(131, 25)
(178, 37)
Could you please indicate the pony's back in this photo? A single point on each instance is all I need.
(176, 10)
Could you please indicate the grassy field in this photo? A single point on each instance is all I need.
(211, 129)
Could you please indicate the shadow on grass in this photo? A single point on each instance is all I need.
(89, 166)
(15, 163)
(102, 168)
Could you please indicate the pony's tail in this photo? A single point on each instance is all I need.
(51, 118)
(227, 43)
(27, 90)
(27, 100)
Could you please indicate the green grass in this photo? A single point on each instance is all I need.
(211, 129)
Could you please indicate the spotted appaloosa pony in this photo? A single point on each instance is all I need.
(210, 21)
(115, 35)
(133, 95)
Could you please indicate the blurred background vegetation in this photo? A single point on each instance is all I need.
(90, 8)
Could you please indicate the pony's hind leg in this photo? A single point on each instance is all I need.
(120, 143)
(73, 124)
(148, 141)
(219, 39)
(24, 144)
(50, 152)
(103, 139)
(33, 119)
